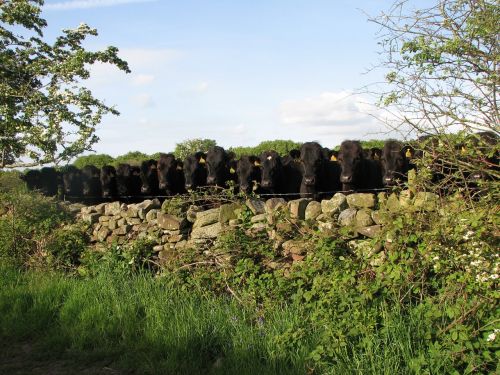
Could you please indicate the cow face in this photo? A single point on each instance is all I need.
(91, 183)
(394, 163)
(312, 158)
(350, 160)
(218, 169)
(167, 171)
(32, 179)
(195, 170)
(72, 181)
(271, 169)
(149, 177)
(375, 153)
(108, 181)
(249, 173)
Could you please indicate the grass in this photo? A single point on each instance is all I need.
(141, 324)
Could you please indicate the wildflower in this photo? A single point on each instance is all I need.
(493, 335)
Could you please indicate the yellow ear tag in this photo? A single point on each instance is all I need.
(202, 161)
(232, 171)
(408, 153)
(463, 150)
(179, 168)
(256, 163)
(333, 158)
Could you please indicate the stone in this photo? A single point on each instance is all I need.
(100, 208)
(274, 204)
(234, 222)
(284, 227)
(208, 217)
(258, 218)
(169, 222)
(102, 234)
(132, 211)
(191, 213)
(256, 206)
(347, 217)
(121, 222)
(133, 220)
(297, 257)
(175, 238)
(326, 226)
(364, 218)
(426, 201)
(181, 245)
(405, 198)
(392, 204)
(371, 231)
(166, 254)
(294, 247)
(75, 208)
(362, 248)
(112, 224)
(208, 231)
(335, 205)
(313, 210)
(227, 212)
(157, 248)
(361, 200)
(90, 218)
(298, 207)
(122, 230)
(87, 210)
(257, 228)
(152, 214)
(376, 217)
(103, 219)
(378, 259)
(112, 208)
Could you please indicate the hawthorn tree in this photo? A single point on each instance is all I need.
(46, 114)
(443, 80)
(190, 146)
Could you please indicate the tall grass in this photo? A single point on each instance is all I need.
(140, 323)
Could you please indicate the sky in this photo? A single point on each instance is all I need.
(239, 72)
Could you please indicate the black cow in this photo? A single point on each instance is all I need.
(395, 163)
(108, 182)
(195, 170)
(358, 173)
(128, 181)
(91, 182)
(280, 175)
(170, 176)
(149, 177)
(320, 176)
(220, 167)
(49, 180)
(32, 179)
(249, 174)
(375, 153)
(72, 182)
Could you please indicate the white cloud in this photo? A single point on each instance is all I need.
(201, 87)
(143, 100)
(142, 79)
(332, 117)
(87, 4)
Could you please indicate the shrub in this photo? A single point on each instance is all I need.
(99, 160)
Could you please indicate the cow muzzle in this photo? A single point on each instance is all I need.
(309, 181)
(211, 180)
(345, 178)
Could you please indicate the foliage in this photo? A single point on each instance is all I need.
(45, 112)
(132, 158)
(190, 146)
(10, 181)
(99, 160)
(282, 147)
(26, 226)
(65, 246)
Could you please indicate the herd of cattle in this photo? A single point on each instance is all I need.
(313, 171)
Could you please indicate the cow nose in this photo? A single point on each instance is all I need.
(105, 194)
(345, 178)
(388, 180)
(188, 186)
(144, 189)
(211, 180)
(309, 180)
(162, 185)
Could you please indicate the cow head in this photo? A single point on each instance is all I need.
(108, 181)
(350, 157)
(312, 158)
(272, 169)
(149, 177)
(394, 162)
(195, 170)
(218, 168)
(167, 171)
(248, 169)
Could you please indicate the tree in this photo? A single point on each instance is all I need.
(98, 160)
(282, 147)
(443, 65)
(443, 79)
(46, 115)
(191, 146)
(132, 157)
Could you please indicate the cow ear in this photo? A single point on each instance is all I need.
(408, 152)
(333, 157)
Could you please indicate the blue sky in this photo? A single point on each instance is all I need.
(239, 72)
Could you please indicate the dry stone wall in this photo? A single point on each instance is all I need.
(192, 226)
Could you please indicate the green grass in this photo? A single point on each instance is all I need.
(140, 323)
